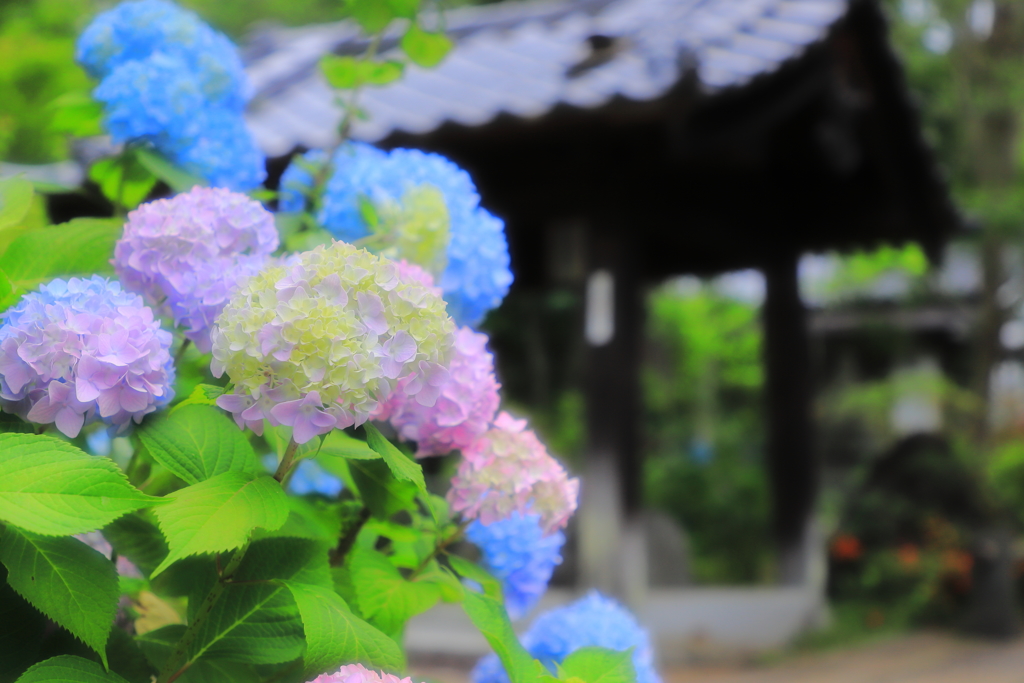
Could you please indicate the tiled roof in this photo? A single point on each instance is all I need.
(524, 58)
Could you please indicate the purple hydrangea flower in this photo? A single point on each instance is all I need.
(81, 350)
(186, 255)
(464, 409)
(592, 621)
(517, 551)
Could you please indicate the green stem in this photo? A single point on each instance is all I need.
(346, 542)
(181, 350)
(444, 543)
(287, 461)
(168, 674)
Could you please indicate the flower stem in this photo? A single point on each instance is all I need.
(287, 461)
(442, 544)
(181, 350)
(348, 540)
(168, 674)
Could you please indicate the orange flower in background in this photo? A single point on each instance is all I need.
(909, 556)
(846, 548)
(958, 562)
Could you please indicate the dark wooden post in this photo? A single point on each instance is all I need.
(612, 480)
(791, 463)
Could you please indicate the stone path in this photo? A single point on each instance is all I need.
(920, 658)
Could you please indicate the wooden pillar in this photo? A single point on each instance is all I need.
(791, 463)
(612, 557)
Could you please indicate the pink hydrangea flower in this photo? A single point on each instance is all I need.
(464, 408)
(186, 254)
(508, 469)
(357, 673)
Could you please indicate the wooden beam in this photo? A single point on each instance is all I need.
(791, 463)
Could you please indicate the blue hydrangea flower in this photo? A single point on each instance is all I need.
(171, 81)
(133, 31)
(477, 275)
(593, 621)
(156, 99)
(517, 551)
(308, 477)
(224, 153)
(80, 350)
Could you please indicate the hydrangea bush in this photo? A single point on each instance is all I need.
(195, 479)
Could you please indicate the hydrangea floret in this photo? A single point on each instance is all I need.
(169, 80)
(592, 621)
(357, 673)
(187, 254)
(84, 349)
(475, 276)
(465, 407)
(319, 343)
(518, 552)
(508, 469)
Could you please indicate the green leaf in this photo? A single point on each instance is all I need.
(447, 583)
(69, 669)
(83, 246)
(9, 294)
(335, 636)
(386, 599)
(474, 572)
(138, 540)
(202, 395)
(379, 489)
(372, 15)
(197, 442)
(75, 113)
(341, 72)
(425, 48)
(406, 9)
(66, 580)
(381, 73)
(123, 179)
(15, 200)
(159, 644)
(401, 465)
(599, 665)
(12, 424)
(126, 657)
(47, 486)
(490, 618)
(219, 514)
(347, 73)
(338, 444)
(256, 620)
(176, 178)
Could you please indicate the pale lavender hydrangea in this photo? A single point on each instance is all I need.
(186, 255)
(463, 411)
(318, 342)
(80, 350)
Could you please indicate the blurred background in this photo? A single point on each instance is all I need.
(769, 295)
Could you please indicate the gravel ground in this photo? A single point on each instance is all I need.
(919, 658)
